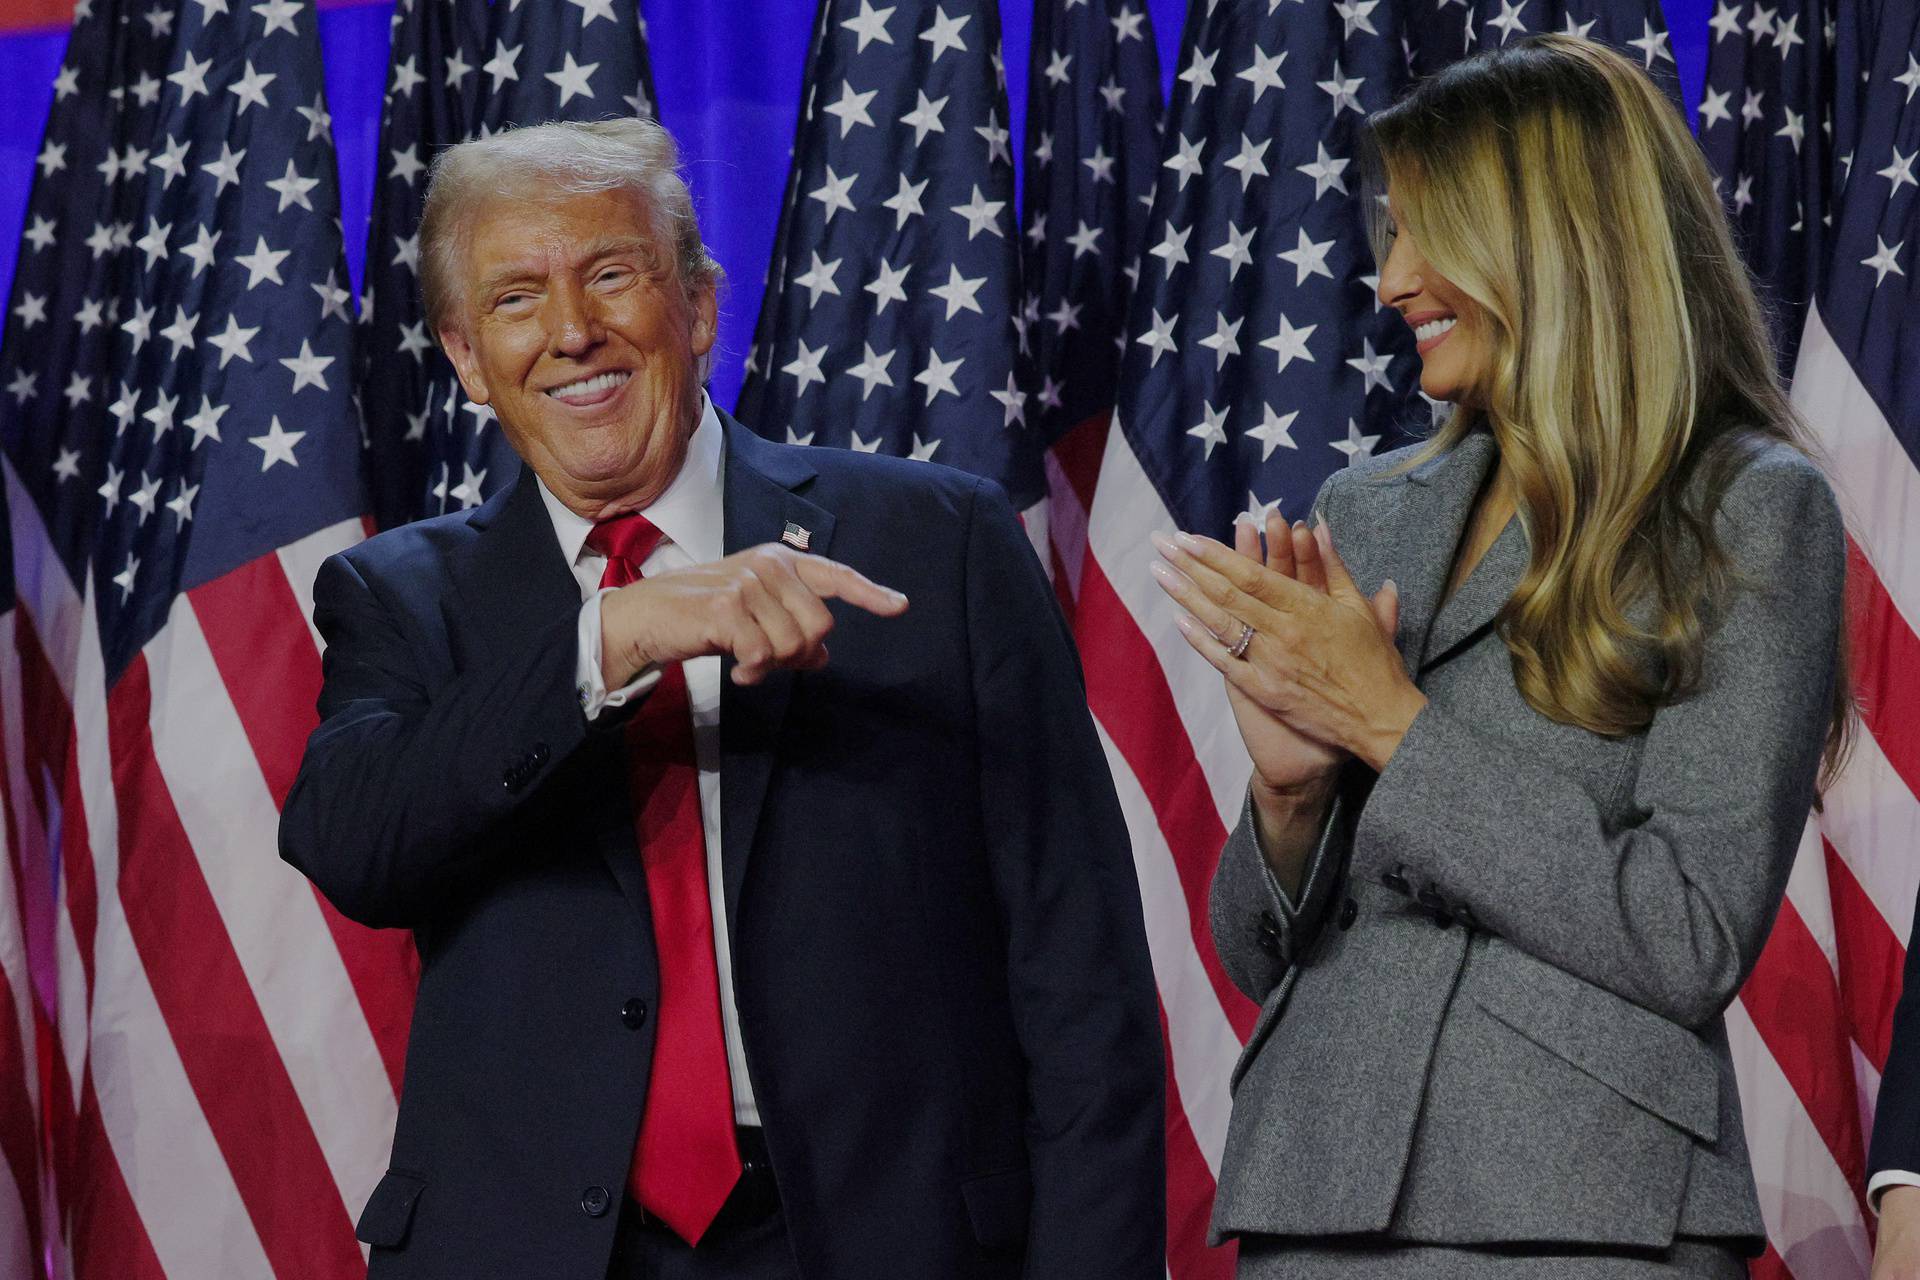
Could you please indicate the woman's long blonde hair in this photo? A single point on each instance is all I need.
(1553, 184)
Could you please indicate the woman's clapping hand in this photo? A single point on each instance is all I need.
(1321, 665)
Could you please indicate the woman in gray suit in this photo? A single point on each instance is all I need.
(1518, 826)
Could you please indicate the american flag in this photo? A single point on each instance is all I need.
(1257, 361)
(21, 1166)
(1812, 1028)
(462, 68)
(887, 320)
(1094, 115)
(1779, 114)
(433, 96)
(180, 451)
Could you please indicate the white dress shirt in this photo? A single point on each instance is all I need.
(690, 517)
(1888, 1178)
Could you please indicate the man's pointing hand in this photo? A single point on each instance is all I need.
(765, 606)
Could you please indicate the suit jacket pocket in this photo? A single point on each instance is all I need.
(389, 1210)
(1658, 1065)
(998, 1206)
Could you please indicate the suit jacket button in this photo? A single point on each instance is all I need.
(594, 1202)
(1396, 882)
(539, 755)
(511, 779)
(1349, 912)
(1430, 899)
(1267, 936)
(633, 1013)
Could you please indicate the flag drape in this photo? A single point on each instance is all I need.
(1811, 114)
(179, 450)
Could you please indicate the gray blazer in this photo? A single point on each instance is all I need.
(1494, 1012)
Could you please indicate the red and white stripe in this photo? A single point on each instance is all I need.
(225, 1049)
(20, 1162)
(1180, 772)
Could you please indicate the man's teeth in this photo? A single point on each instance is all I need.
(592, 386)
(1433, 328)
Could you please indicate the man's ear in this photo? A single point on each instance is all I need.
(706, 320)
(460, 351)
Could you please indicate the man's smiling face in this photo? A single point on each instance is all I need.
(577, 330)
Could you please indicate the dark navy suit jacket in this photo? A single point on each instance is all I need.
(941, 969)
(1896, 1120)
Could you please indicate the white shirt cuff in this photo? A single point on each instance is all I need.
(1888, 1178)
(587, 680)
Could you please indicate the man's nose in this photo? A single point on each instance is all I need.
(573, 324)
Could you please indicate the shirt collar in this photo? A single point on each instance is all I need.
(691, 513)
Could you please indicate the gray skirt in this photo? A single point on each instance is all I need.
(1279, 1258)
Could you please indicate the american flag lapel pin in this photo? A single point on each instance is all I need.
(796, 536)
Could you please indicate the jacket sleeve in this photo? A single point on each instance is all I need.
(1259, 930)
(1082, 988)
(405, 784)
(1896, 1119)
(1670, 908)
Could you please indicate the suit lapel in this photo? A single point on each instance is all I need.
(1437, 498)
(513, 580)
(513, 584)
(1481, 597)
(761, 502)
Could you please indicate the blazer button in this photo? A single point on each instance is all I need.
(633, 1013)
(1430, 899)
(511, 778)
(594, 1202)
(1397, 882)
(1267, 935)
(539, 755)
(1349, 912)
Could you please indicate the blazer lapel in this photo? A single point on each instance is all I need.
(761, 503)
(1481, 597)
(1437, 499)
(513, 584)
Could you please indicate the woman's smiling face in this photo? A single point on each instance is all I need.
(1456, 354)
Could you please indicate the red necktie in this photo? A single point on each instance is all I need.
(687, 1158)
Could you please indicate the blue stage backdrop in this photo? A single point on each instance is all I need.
(728, 77)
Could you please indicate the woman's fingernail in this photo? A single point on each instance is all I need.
(1160, 541)
(1160, 570)
(1187, 541)
(1390, 585)
(1185, 623)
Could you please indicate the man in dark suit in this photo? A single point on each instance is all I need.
(1893, 1159)
(738, 959)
